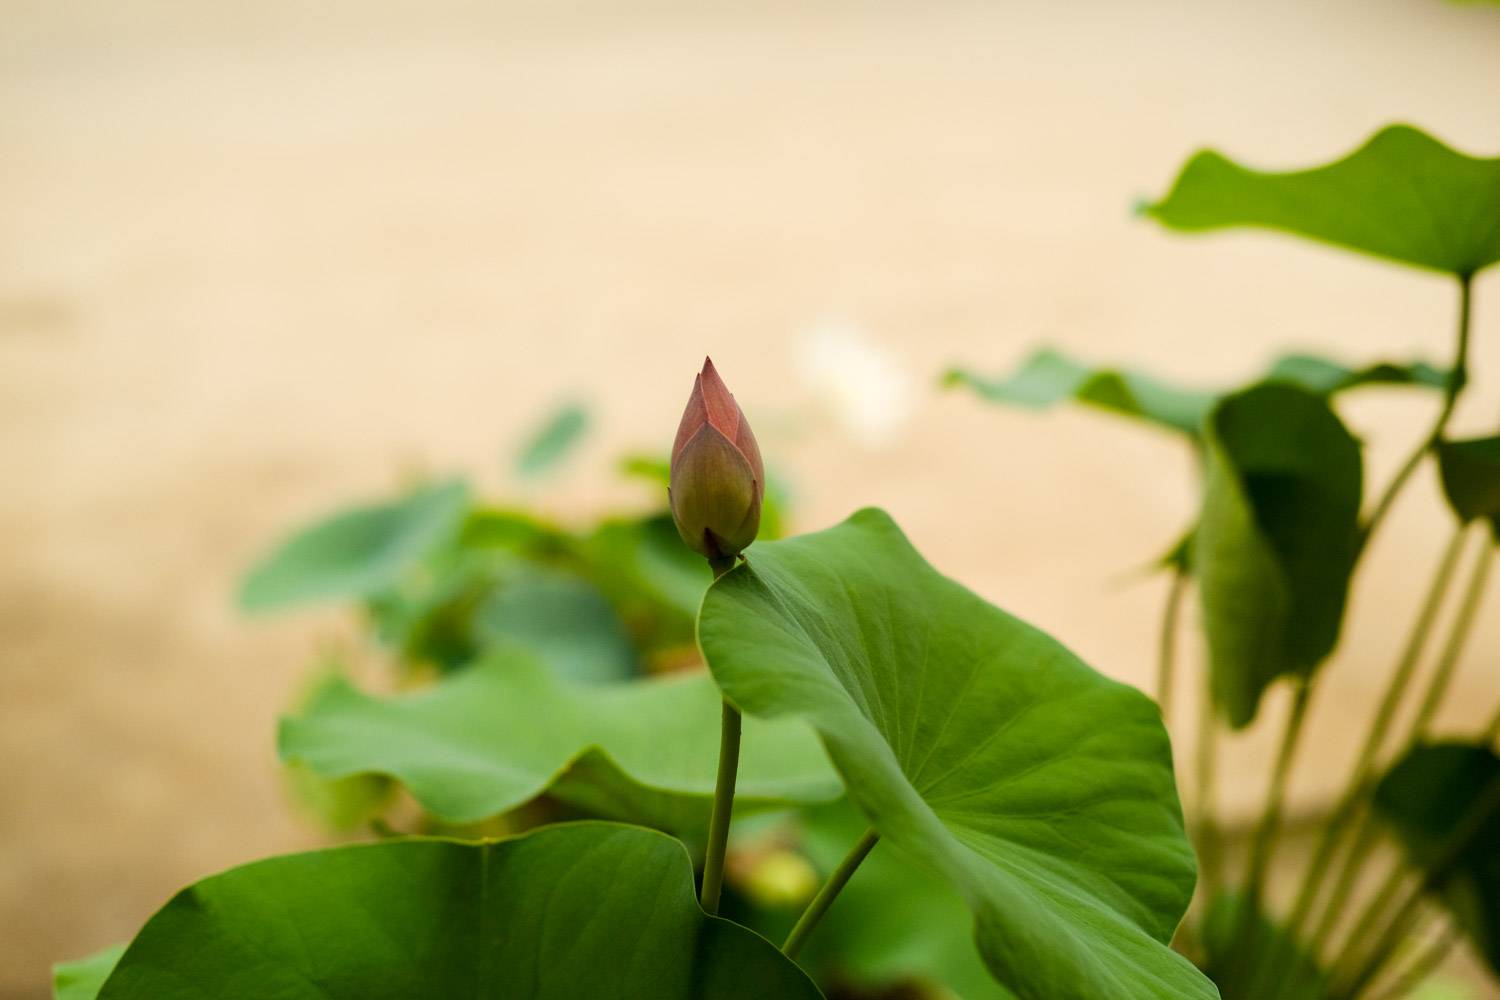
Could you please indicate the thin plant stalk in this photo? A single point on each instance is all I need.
(1457, 378)
(1452, 652)
(828, 893)
(1263, 847)
(724, 782)
(1423, 966)
(1463, 624)
(1206, 825)
(1454, 847)
(1166, 664)
(1338, 823)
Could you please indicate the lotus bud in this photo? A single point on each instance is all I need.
(717, 479)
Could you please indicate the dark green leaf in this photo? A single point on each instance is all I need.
(980, 748)
(1429, 795)
(1403, 195)
(358, 552)
(1471, 478)
(552, 442)
(590, 910)
(562, 619)
(1049, 377)
(1280, 959)
(1276, 540)
(498, 734)
(82, 979)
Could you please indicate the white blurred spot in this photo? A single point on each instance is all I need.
(862, 383)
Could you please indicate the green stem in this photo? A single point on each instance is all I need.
(1364, 838)
(1422, 966)
(723, 807)
(1454, 848)
(826, 895)
(718, 820)
(1463, 624)
(1206, 825)
(1338, 823)
(1166, 664)
(1457, 378)
(1264, 845)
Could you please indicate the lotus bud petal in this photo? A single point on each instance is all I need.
(717, 479)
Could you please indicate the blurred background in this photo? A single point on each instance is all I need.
(259, 260)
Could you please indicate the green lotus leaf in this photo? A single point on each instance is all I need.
(979, 748)
(553, 441)
(1276, 540)
(592, 910)
(1403, 195)
(1471, 478)
(82, 978)
(1280, 959)
(1049, 377)
(496, 735)
(356, 553)
(1428, 795)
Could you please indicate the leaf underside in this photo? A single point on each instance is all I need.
(980, 748)
(1276, 540)
(1403, 196)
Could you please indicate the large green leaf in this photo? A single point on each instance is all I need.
(82, 978)
(979, 747)
(591, 910)
(1471, 478)
(1049, 377)
(1276, 539)
(498, 734)
(356, 553)
(1403, 195)
(1429, 795)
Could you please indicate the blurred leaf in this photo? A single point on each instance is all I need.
(562, 619)
(653, 580)
(1471, 478)
(655, 469)
(1293, 971)
(82, 978)
(1050, 377)
(978, 747)
(1276, 539)
(553, 441)
(1429, 795)
(339, 804)
(357, 552)
(1403, 195)
(1326, 377)
(591, 910)
(488, 739)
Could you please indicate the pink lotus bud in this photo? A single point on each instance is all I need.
(717, 477)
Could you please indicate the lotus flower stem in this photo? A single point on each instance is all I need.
(1166, 664)
(830, 891)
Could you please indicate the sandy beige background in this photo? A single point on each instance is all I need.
(256, 260)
